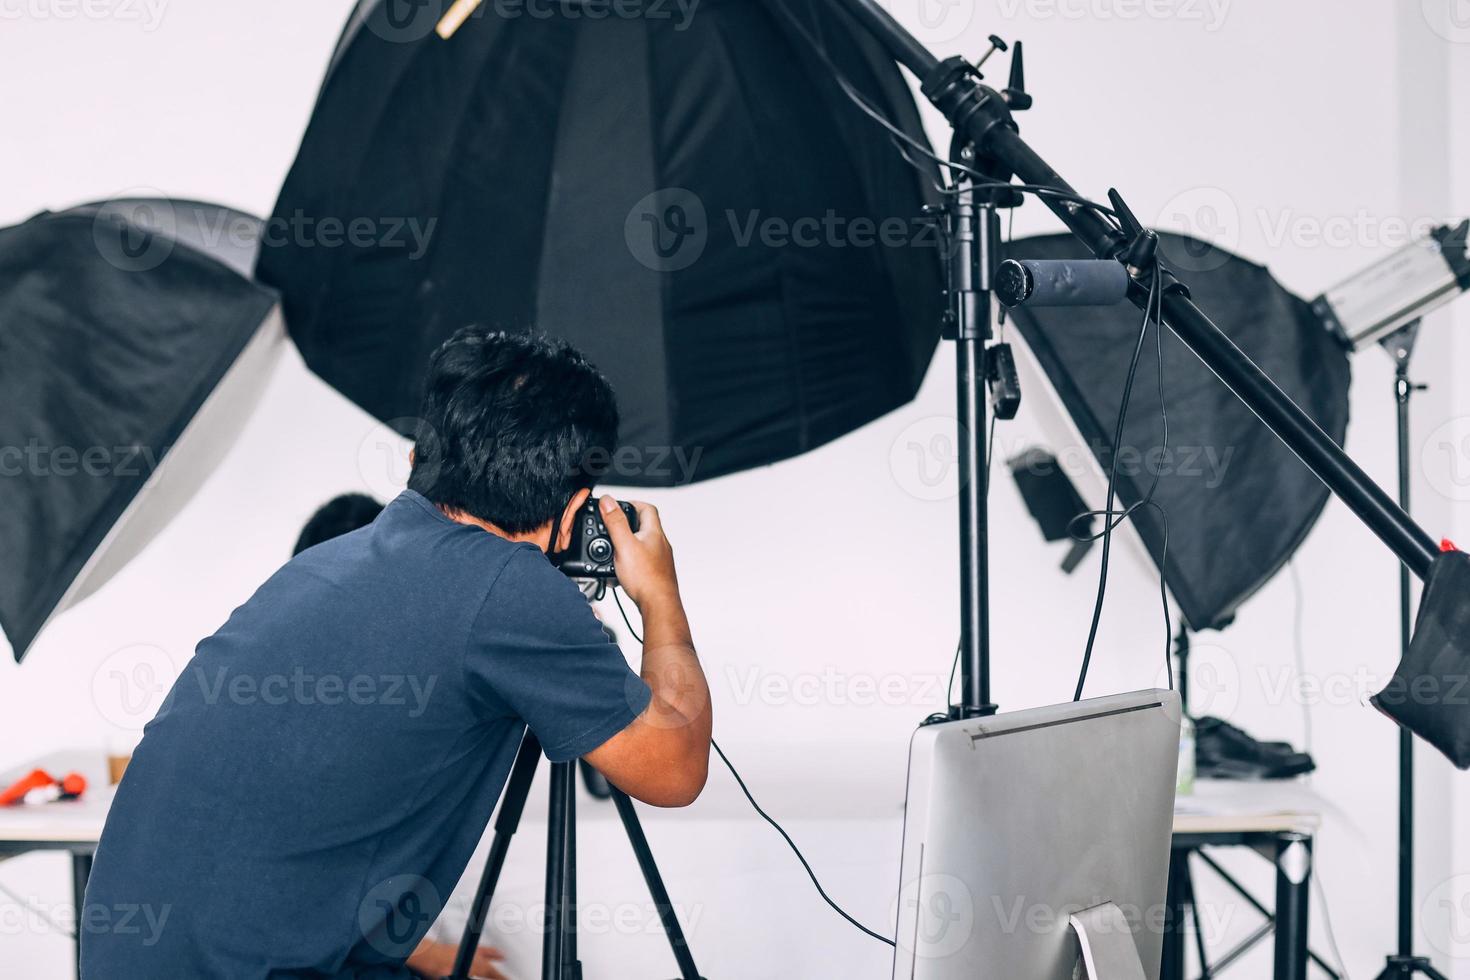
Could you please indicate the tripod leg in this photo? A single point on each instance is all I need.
(571, 967)
(655, 881)
(553, 944)
(512, 802)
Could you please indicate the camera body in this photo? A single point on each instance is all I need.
(590, 554)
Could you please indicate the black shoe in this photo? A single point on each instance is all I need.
(1224, 751)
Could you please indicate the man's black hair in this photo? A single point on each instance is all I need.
(336, 517)
(511, 427)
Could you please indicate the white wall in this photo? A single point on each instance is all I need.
(1295, 133)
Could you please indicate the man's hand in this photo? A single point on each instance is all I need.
(644, 559)
(662, 758)
(433, 961)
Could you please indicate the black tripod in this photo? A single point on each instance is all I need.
(1405, 963)
(559, 945)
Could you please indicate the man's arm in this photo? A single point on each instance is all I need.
(662, 758)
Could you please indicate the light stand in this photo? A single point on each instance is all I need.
(973, 241)
(982, 121)
(1405, 964)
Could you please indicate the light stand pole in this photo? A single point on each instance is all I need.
(1405, 964)
(972, 240)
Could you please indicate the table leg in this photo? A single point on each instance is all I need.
(1293, 890)
(81, 870)
(1172, 967)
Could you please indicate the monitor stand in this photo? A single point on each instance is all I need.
(1106, 942)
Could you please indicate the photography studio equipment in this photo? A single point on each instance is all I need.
(590, 553)
(717, 230)
(1239, 503)
(1011, 821)
(135, 349)
(751, 270)
(1383, 305)
(988, 147)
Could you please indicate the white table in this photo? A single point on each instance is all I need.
(73, 826)
(1278, 820)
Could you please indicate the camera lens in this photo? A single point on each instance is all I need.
(600, 550)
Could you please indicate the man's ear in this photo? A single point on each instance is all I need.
(569, 520)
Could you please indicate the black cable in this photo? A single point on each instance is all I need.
(796, 850)
(1112, 518)
(763, 814)
(984, 182)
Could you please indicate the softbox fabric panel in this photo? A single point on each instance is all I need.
(112, 339)
(692, 202)
(1429, 693)
(1238, 502)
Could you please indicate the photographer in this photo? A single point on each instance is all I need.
(318, 777)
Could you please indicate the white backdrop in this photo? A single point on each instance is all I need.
(1306, 135)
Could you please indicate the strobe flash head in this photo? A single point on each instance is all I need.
(1398, 289)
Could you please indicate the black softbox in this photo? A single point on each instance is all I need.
(692, 202)
(1238, 502)
(131, 348)
(1429, 693)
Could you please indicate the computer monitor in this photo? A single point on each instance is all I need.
(1017, 822)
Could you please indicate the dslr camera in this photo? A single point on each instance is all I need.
(590, 554)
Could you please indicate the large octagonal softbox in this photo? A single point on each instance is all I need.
(690, 200)
(1238, 502)
(132, 346)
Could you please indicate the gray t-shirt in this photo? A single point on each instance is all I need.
(317, 780)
